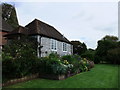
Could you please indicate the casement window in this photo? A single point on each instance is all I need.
(64, 47)
(53, 44)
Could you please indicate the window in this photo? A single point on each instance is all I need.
(64, 47)
(53, 44)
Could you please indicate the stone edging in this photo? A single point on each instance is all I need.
(26, 78)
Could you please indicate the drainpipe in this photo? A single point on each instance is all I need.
(72, 49)
(39, 46)
(38, 52)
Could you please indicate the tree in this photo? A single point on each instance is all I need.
(114, 55)
(110, 38)
(78, 47)
(9, 14)
(104, 45)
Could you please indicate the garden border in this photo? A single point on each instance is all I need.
(37, 75)
(18, 80)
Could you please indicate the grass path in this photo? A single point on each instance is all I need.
(101, 76)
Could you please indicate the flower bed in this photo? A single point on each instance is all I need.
(59, 68)
(19, 60)
(51, 67)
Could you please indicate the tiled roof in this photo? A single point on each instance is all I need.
(43, 29)
(37, 27)
(18, 30)
(6, 27)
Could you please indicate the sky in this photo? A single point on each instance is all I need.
(87, 22)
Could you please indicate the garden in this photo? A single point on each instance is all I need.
(102, 76)
(51, 67)
(23, 69)
(20, 60)
(21, 65)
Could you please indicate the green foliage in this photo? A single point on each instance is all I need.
(69, 58)
(114, 56)
(74, 60)
(21, 59)
(78, 47)
(53, 55)
(104, 45)
(8, 66)
(78, 63)
(110, 38)
(102, 76)
(97, 59)
(51, 65)
(59, 69)
(89, 54)
(42, 65)
(86, 64)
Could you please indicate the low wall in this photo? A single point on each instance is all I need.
(53, 77)
(23, 79)
(45, 76)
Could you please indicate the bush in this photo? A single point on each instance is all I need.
(77, 57)
(69, 58)
(25, 63)
(97, 59)
(86, 64)
(8, 67)
(53, 55)
(89, 54)
(79, 64)
(46, 64)
(20, 61)
(59, 69)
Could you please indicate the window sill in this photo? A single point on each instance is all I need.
(53, 50)
(64, 51)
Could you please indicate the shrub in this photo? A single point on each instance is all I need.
(69, 58)
(77, 57)
(59, 69)
(46, 64)
(8, 67)
(89, 54)
(42, 65)
(25, 63)
(79, 64)
(53, 55)
(97, 59)
(20, 61)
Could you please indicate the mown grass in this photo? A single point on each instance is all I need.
(101, 76)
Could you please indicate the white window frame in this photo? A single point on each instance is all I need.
(64, 47)
(53, 44)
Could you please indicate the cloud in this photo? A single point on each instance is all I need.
(108, 28)
(86, 22)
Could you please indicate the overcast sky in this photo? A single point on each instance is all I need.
(84, 21)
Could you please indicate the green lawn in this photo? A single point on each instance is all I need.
(101, 76)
